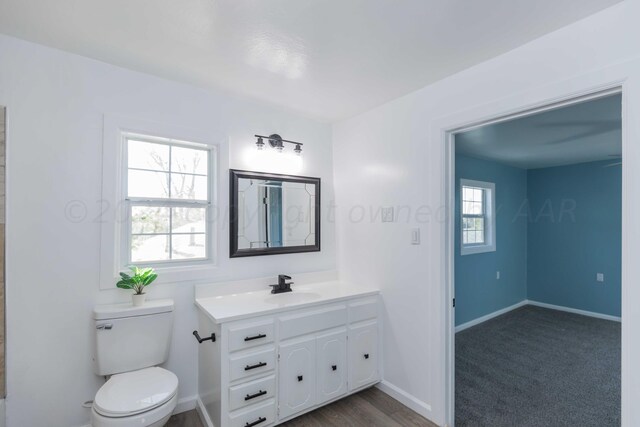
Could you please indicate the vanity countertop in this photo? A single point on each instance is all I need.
(226, 308)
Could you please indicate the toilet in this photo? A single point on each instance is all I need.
(130, 343)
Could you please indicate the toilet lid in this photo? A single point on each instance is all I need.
(134, 392)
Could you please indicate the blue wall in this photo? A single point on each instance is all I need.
(567, 247)
(478, 292)
(555, 229)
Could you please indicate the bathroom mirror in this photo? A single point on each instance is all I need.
(273, 214)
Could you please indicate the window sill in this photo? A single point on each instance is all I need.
(172, 274)
(480, 249)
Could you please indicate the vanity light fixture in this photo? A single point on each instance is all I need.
(277, 142)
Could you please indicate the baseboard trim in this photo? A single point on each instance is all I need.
(202, 412)
(575, 311)
(406, 399)
(490, 316)
(522, 303)
(185, 404)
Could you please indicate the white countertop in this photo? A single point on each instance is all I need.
(225, 308)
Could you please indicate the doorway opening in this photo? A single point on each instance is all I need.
(536, 259)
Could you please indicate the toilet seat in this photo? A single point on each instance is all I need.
(136, 392)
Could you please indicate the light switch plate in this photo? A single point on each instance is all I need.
(600, 277)
(415, 236)
(387, 214)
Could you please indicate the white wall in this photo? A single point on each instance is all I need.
(394, 156)
(56, 103)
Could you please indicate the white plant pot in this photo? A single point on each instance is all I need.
(138, 300)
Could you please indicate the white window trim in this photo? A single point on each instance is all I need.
(490, 223)
(113, 207)
(125, 250)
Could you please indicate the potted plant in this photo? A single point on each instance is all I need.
(141, 278)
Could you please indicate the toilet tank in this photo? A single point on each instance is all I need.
(128, 338)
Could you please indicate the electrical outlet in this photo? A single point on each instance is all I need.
(600, 277)
(415, 236)
(387, 214)
(497, 275)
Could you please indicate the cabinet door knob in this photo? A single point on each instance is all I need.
(299, 377)
(334, 367)
(366, 356)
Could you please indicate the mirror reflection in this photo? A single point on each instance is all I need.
(274, 214)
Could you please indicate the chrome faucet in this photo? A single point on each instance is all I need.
(282, 285)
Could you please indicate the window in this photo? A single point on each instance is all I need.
(477, 207)
(167, 196)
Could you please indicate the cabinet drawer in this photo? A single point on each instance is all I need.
(312, 321)
(252, 392)
(363, 310)
(247, 335)
(254, 363)
(259, 416)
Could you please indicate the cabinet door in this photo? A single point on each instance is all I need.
(297, 376)
(363, 355)
(331, 365)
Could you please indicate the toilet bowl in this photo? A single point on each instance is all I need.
(146, 397)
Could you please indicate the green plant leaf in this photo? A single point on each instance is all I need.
(141, 277)
(123, 285)
(150, 278)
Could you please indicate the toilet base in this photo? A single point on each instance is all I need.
(156, 417)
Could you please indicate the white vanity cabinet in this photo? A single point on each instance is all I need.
(266, 369)
(363, 351)
(331, 365)
(296, 376)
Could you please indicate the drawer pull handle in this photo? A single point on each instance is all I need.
(107, 326)
(257, 365)
(334, 367)
(255, 337)
(253, 396)
(300, 378)
(256, 422)
(366, 356)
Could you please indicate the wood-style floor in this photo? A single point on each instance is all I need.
(369, 408)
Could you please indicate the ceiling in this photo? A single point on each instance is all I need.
(326, 59)
(579, 133)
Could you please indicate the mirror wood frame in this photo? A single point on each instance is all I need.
(234, 177)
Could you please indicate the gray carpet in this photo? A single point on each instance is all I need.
(538, 367)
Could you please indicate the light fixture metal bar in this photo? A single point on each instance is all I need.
(283, 140)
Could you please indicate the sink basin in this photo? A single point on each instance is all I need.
(292, 298)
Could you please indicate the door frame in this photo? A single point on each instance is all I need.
(552, 97)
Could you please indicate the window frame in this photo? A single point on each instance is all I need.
(489, 204)
(129, 202)
(109, 211)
